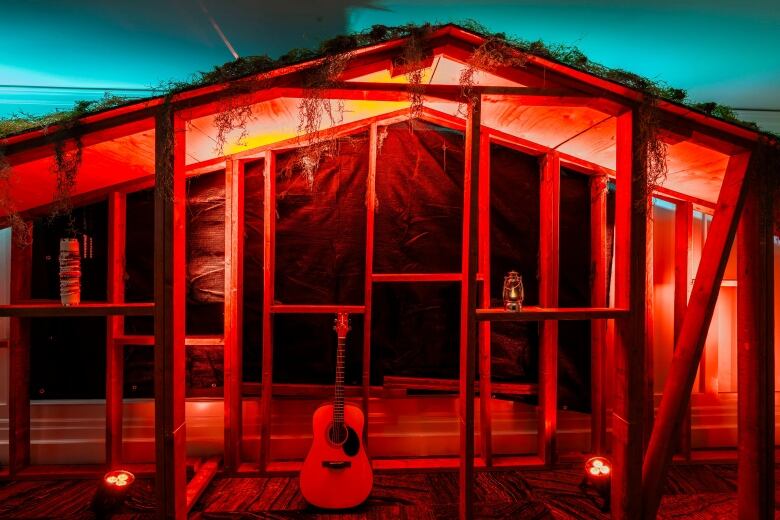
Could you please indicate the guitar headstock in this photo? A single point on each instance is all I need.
(342, 325)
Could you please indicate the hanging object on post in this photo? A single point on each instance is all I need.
(513, 292)
(70, 272)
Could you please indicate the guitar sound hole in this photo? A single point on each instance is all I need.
(337, 434)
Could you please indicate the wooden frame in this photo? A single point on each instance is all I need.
(632, 410)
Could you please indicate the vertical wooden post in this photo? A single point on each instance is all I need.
(485, 369)
(468, 305)
(693, 332)
(19, 360)
(649, 386)
(755, 351)
(369, 269)
(549, 260)
(117, 216)
(683, 237)
(169, 322)
(598, 298)
(234, 299)
(630, 293)
(269, 239)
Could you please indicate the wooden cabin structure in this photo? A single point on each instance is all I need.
(652, 372)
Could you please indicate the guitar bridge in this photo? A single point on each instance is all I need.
(336, 464)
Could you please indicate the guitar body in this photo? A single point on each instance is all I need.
(337, 475)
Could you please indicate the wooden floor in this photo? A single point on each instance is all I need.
(696, 491)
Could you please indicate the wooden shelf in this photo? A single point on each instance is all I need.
(542, 314)
(54, 309)
(316, 309)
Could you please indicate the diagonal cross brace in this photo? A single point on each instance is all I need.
(693, 332)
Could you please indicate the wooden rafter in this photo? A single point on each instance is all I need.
(693, 332)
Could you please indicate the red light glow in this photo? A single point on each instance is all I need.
(598, 467)
(119, 478)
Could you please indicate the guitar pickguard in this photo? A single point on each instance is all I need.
(351, 446)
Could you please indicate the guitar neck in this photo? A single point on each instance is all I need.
(338, 402)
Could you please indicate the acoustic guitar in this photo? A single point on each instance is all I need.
(336, 473)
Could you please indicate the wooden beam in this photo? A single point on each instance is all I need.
(485, 369)
(755, 352)
(468, 304)
(234, 298)
(169, 320)
(693, 332)
(599, 266)
(315, 309)
(549, 261)
(19, 359)
(117, 216)
(416, 277)
(55, 309)
(532, 313)
(683, 239)
(648, 376)
(269, 237)
(631, 203)
(369, 270)
(201, 480)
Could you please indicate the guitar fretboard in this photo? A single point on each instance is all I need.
(338, 402)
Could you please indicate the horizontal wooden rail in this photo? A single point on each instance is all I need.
(189, 341)
(420, 383)
(416, 277)
(317, 309)
(200, 481)
(54, 309)
(304, 390)
(542, 314)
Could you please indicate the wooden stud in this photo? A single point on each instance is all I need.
(19, 359)
(693, 332)
(549, 260)
(169, 320)
(630, 292)
(269, 232)
(598, 298)
(485, 369)
(649, 380)
(369, 270)
(683, 238)
(117, 216)
(468, 304)
(755, 351)
(234, 281)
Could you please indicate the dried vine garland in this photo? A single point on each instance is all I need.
(21, 231)
(313, 109)
(412, 61)
(652, 151)
(65, 169)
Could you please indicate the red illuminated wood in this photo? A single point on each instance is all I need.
(169, 296)
(755, 351)
(549, 258)
(369, 269)
(19, 361)
(201, 480)
(693, 332)
(532, 313)
(628, 383)
(452, 385)
(468, 304)
(115, 327)
(649, 393)
(485, 391)
(234, 282)
(599, 261)
(269, 232)
(55, 309)
(683, 238)
(417, 277)
(316, 309)
(189, 341)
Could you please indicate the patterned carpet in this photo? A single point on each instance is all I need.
(696, 491)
